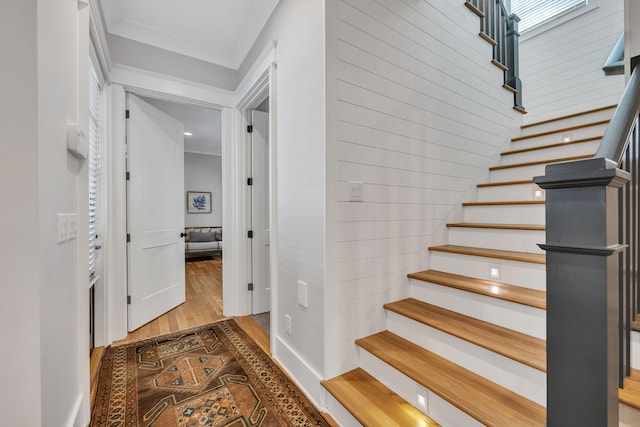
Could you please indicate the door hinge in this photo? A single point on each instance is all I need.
(250, 234)
(128, 299)
(128, 237)
(126, 114)
(250, 128)
(250, 286)
(249, 181)
(128, 176)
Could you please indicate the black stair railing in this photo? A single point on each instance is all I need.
(500, 28)
(592, 271)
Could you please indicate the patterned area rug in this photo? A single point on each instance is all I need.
(213, 375)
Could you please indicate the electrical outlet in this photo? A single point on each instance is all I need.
(302, 294)
(288, 325)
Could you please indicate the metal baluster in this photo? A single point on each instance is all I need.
(624, 297)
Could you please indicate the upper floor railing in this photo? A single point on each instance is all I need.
(593, 256)
(500, 29)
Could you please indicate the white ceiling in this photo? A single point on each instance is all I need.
(217, 31)
(203, 123)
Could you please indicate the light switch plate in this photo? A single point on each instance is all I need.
(356, 191)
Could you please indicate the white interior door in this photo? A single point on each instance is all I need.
(260, 212)
(155, 212)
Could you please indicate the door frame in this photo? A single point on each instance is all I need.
(259, 81)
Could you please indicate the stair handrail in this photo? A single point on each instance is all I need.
(617, 136)
(501, 28)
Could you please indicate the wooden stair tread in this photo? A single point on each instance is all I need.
(497, 184)
(532, 227)
(517, 346)
(541, 162)
(567, 129)
(635, 324)
(480, 398)
(505, 203)
(372, 403)
(474, 9)
(492, 253)
(569, 116)
(630, 394)
(516, 294)
(558, 144)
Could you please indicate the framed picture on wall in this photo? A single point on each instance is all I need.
(198, 202)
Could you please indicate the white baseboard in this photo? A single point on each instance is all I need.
(304, 376)
(75, 420)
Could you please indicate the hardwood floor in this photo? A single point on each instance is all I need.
(203, 304)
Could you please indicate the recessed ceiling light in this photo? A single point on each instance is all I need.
(188, 134)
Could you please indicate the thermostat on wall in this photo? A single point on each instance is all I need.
(77, 141)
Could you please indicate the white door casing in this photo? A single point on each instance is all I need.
(155, 212)
(260, 244)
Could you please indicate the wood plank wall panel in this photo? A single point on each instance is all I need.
(421, 114)
(561, 68)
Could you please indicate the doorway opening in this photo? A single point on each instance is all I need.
(194, 245)
(259, 214)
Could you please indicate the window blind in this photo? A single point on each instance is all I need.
(93, 165)
(535, 12)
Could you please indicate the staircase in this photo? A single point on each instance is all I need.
(467, 348)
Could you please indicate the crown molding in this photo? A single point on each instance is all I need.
(98, 37)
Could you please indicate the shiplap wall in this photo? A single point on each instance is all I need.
(561, 68)
(420, 115)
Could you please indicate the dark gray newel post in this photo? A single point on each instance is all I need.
(582, 292)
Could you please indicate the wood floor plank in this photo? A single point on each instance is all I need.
(541, 162)
(491, 253)
(531, 227)
(517, 294)
(505, 203)
(482, 399)
(569, 116)
(544, 147)
(507, 342)
(498, 184)
(372, 403)
(566, 129)
(95, 362)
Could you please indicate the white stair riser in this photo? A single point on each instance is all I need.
(554, 138)
(516, 174)
(635, 350)
(515, 376)
(551, 153)
(491, 238)
(505, 214)
(339, 413)
(629, 417)
(521, 318)
(517, 273)
(508, 192)
(565, 123)
(439, 410)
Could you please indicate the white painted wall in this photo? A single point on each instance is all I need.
(632, 32)
(203, 172)
(561, 68)
(45, 308)
(416, 111)
(19, 230)
(298, 26)
(62, 99)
